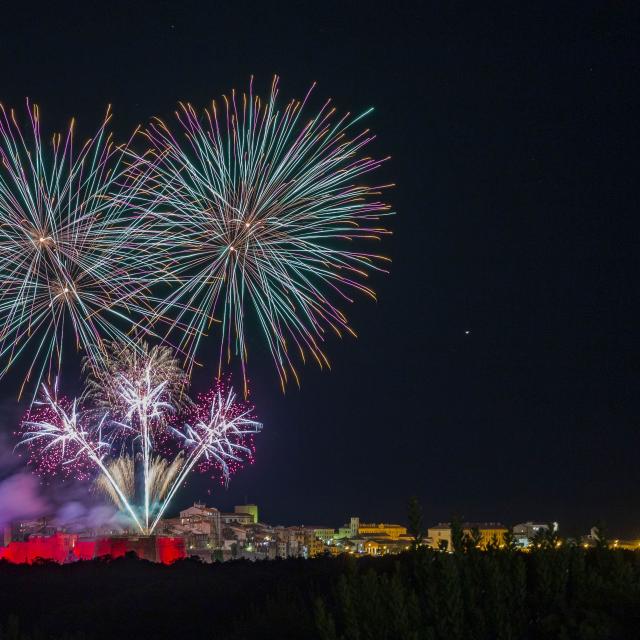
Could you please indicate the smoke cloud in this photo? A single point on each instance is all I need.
(23, 496)
(20, 493)
(77, 516)
(20, 498)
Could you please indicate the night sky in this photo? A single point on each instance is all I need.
(497, 376)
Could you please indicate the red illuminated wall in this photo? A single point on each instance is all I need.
(66, 548)
(170, 549)
(58, 548)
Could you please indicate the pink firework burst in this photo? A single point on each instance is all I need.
(223, 427)
(61, 438)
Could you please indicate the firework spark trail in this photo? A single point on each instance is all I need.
(256, 209)
(218, 436)
(62, 433)
(141, 385)
(132, 414)
(71, 252)
(146, 404)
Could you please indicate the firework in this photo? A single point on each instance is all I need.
(130, 372)
(260, 214)
(219, 413)
(218, 436)
(141, 385)
(64, 436)
(61, 436)
(139, 437)
(72, 258)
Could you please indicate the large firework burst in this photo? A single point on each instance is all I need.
(261, 212)
(71, 256)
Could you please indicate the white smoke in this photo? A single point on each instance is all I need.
(23, 496)
(20, 498)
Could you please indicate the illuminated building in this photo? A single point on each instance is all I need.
(394, 531)
(315, 547)
(525, 532)
(373, 547)
(593, 539)
(251, 509)
(201, 520)
(439, 536)
(631, 545)
(349, 530)
(326, 534)
(303, 541)
(237, 517)
(490, 532)
(211, 534)
(200, 527)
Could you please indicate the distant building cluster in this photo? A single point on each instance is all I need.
(487, 533)
(213, 535)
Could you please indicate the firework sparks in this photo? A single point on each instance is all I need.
(141, 385)
(219, 431)
(108, 440)
(59, 435)
(71, 254)
(130, 371)
(218, 435)
(265, 212)
(63, 435)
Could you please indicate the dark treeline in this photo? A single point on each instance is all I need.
(553, 592)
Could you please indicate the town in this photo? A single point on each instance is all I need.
(212, 535)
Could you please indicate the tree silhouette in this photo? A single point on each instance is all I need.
(416, 523)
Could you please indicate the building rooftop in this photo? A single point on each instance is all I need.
(471, 525)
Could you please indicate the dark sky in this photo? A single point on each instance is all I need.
(514, 134)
